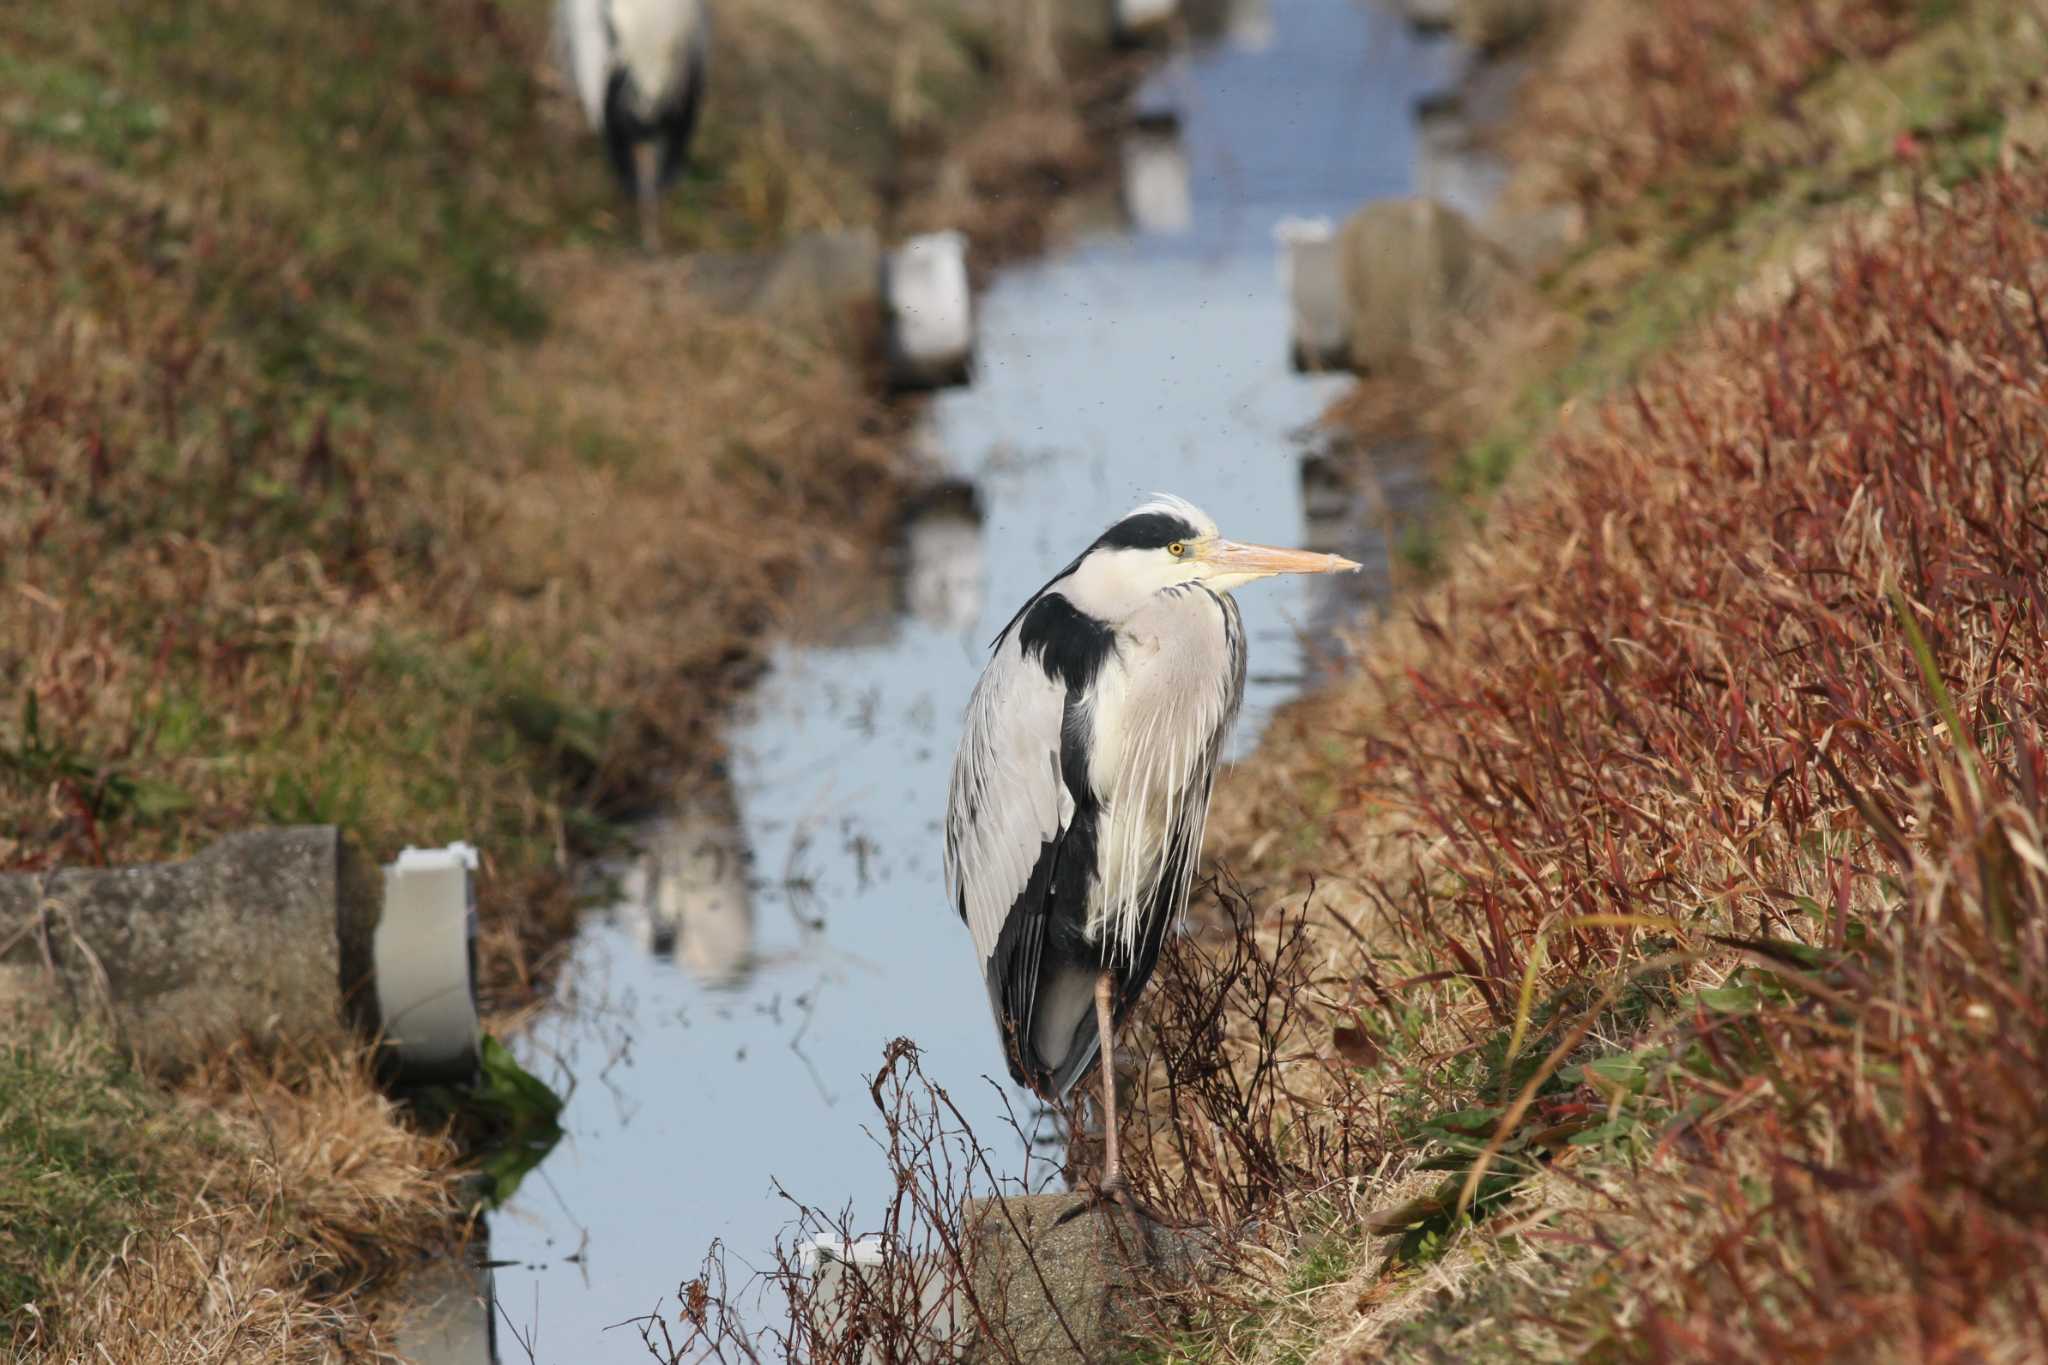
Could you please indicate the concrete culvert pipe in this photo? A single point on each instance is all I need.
(286, 935)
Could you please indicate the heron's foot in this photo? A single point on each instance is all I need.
(1117, 1190)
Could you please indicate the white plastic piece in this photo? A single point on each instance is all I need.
(930, 308)
(1311, 276)
(424, 953)
(1156, 193)
(1133, 17)
(831, 1260)
(827, 1248)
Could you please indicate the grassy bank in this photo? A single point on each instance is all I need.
(352, 469)
(1659, 903)
(237, 1220)
(355, 473)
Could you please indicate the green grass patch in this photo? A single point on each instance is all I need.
(79, 1166)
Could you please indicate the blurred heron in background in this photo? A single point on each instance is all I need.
(1081, 787)
(638, 67)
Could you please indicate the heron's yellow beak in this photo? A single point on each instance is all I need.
(1232, 557)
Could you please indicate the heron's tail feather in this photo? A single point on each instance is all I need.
(1064, 1034)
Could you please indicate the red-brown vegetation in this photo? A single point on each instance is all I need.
(1721, 766)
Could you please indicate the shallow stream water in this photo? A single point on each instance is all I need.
(717, 1026)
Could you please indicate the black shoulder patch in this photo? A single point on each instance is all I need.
(1146, 531)
(1070, 645)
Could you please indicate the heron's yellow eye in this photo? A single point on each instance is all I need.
(1176, 549)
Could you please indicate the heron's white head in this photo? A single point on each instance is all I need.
(1166, 542)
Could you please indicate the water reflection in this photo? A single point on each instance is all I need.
(944, 572)
(688, 891)
(448, 1315)
(1364, 504)
(1311, 278)
(1451, 166)
(1156, 193)
(801, 890)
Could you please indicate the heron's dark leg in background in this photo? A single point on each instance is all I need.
(646, 187)
(1113, 1183)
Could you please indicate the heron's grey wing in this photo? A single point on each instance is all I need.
(1007, 799)
(583, 47)
(1007, 814)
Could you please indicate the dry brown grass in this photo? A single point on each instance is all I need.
(270, 1197)
(424, 527)
(1630, 95)
(350, 472)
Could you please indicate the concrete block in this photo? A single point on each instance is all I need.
(1063, 1291)
(1411, 271)
(282, 934)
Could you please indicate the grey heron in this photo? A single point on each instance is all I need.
(638, 67)
(1081, 787)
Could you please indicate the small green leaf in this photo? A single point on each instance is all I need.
(1732, 999)
(520, 1116)
(1606, 1132)
(153, 800)
(511, 1087)
(1468, 1121)
(1628, 1069)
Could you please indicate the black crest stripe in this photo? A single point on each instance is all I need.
(1146, 531)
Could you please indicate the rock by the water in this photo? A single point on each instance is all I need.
(1410, 271)
(820, 273)
(1430, 15)
(1057, 1292)
(1497, 25)
(257, 934)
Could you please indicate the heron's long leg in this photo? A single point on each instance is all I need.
(645, 176)
(1112, 1169)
